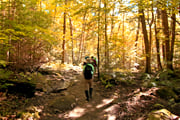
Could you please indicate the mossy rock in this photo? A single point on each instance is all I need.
(158, 106)
(63, 103)
(166, 93)
(162, 114)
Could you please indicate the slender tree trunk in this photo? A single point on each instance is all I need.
(106, 39)
(173, 39)
(146, 42)
(164, 53)
(123, 39)
(72, 41)
(112, 25)
(9, 37)
(157, 40)
(98, 45)
(112, 33)
(167, 39)
(137, 37)
(150, 34)
(64, 36)
(82, 37)
(1, 14)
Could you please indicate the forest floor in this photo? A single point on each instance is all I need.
(120, 102)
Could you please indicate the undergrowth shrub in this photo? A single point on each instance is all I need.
(17, 83)
(166, 93)
(107, 80)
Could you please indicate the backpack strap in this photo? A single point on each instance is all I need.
(89, 65)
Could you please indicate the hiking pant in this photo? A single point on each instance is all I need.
(88, 83)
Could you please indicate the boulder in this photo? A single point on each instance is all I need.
(63, 103)
(162, 114)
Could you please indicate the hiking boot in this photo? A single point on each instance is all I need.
(87, 95)
(90, 92)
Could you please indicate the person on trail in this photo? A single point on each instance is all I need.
(88, 72)
(86, 60)
(94, 63)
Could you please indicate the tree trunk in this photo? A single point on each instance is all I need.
(123, 49)
(157, 40)
(173, 39)
(64, 36)
(167, 39)
(146, 42)
(82, 37)
(98, 45)
(72, 42)
(150, 34)
(106, 39)
(9, 37)
(136, 41)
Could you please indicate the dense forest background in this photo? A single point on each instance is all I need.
(136, 43)
(121, 34)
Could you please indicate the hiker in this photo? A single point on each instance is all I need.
(88, 71)
(94, 62)
(86, 60)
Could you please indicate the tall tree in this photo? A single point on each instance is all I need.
(123, 40)
(157, 31)
(137, 37)
(150, 23)
(98, 45)
(106, 37)
(167, 39)
(72, 41)
(173, 31)
(145, 35)
(64, 34)
(82, 36)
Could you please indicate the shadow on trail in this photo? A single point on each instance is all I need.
(93, 110)
(119, 103)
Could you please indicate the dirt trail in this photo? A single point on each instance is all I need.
(117, 103)
(124, 101)
(80, 109)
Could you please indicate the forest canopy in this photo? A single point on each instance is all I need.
(122, 34)
(44, 43)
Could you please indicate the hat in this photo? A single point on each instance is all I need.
(86, 57)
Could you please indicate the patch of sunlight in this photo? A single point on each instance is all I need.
(56, 65)
(112, 108)
(89, 105)
(76, 112)
(76, 80)
(147, 93)
(141, 118)
(134, 69)
(106, 102)
(111, 112)
(111, 117)
(136, 99)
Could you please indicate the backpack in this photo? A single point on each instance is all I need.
(94, 61)
(88, 71)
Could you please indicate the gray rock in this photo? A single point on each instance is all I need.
(63, 103)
